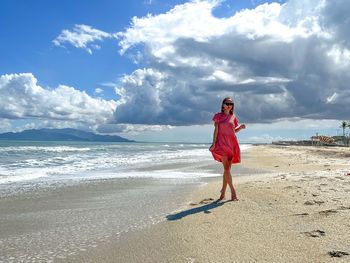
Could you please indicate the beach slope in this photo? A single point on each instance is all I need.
(296, 210)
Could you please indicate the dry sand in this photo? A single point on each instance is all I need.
(296, 211)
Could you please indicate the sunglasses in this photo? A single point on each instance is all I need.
(228, 103)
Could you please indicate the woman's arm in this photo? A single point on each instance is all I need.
(240, 127)
(214, 136)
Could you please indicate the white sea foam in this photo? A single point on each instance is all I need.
(19, 176)
(245, 146)
(43, 149)
(119, 160)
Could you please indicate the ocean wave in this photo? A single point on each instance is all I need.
(17, 176)
(43, 149)
(67, 161)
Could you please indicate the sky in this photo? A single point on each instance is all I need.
(153, 70)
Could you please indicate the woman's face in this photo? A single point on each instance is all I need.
(227, 105)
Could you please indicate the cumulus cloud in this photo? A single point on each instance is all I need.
(22, 98)
(335, 17)
(277, 61)
(150, 96)
(82, 36)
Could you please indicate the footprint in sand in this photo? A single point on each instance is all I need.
(328, 212)
(301, 214)
(206, 200)
(315, 233)
(344, 208)
(314, 202)
(318, 202)
(338, 253)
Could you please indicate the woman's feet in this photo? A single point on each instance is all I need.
(222, 196)
(234, 197)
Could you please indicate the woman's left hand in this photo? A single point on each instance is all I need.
(212, 147)
(243, 126)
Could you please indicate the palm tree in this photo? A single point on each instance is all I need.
(343, 126)
(349, 132)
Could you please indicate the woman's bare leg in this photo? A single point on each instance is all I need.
(223, 189)
(226, 165)
(229, 182)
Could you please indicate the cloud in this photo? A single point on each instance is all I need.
(130, 129)
(335, 17)
(22, 98)
(153, 97)
(267, 138)
(277, 61)
(82, 36)
(148, 2)
(5, 125)
(98, 90)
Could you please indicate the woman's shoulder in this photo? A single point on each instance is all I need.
(218, 114)
(218, 117)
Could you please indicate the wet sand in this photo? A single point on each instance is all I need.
(298, 211)
(62, 221)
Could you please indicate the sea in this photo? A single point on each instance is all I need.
(59, 199)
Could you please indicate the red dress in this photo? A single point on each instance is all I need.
(226, 144)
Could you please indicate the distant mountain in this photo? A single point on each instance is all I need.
(61, 135)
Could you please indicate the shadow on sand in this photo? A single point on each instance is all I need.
(192, 211)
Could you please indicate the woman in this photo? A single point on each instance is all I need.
(225, 147)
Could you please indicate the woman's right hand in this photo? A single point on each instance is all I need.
(212, 147)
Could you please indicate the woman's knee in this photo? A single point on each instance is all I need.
(227, 164)
(227, 168)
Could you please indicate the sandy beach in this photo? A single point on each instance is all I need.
(294, 206)
(296, 210)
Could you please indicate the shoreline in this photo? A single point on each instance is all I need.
(296, 212)
(57, 223)
(294, 205)
(63, 220)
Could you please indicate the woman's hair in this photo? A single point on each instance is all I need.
(222, 105)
